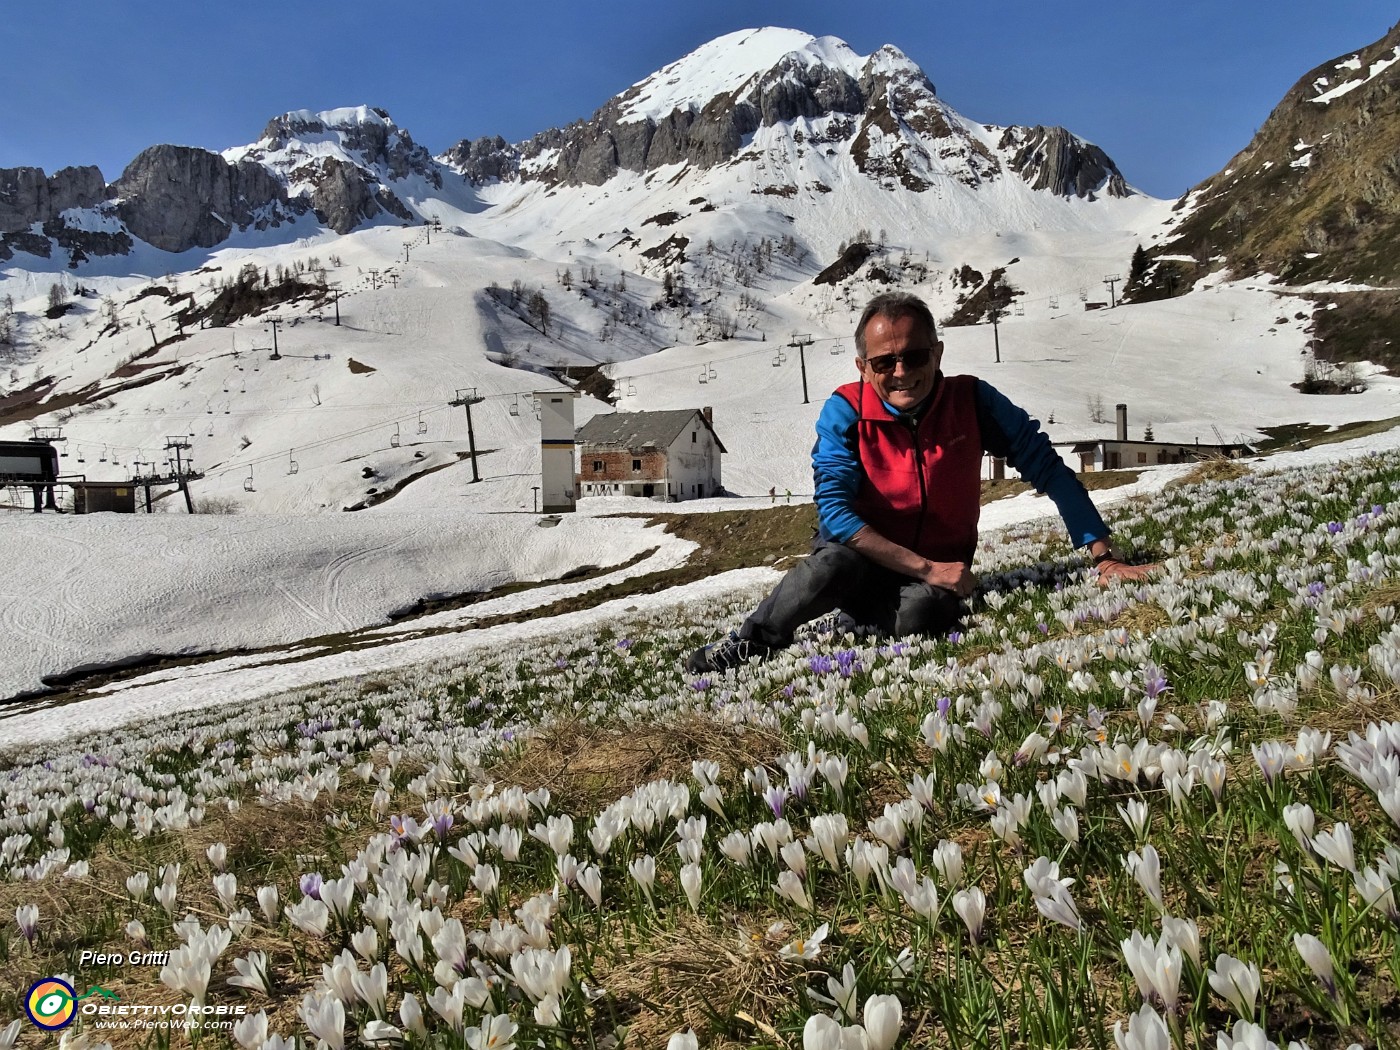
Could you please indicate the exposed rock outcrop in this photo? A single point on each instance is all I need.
(180, 197)
(1055, 160)
(28, 196)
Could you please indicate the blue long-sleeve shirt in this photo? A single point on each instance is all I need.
(1007, 431)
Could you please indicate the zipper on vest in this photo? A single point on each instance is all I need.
(923, 488)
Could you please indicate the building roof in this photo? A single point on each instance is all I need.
(635, 430)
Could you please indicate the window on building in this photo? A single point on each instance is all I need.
(597, 466)
(1142, 457)
(636, 464)
(694, 437)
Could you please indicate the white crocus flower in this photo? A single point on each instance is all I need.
(324, 1016)
(590, 880)
(1235, 982)
(1184, 934)
(790, 888)
(411, 1016)
(378, 1031)
(251, 1030)
(1145, 1031)
(1136, 815)
(309, 915)
(1299, 818)
(252, 973)
(883, 1015)
(226, 887)
(1318, 959)
(1146, 868)
(497, 1032)
(138, 885)
(686, 1040)
(267, 901)
(643, 872)
(1156, 967)
(1245, 1035)
(806, 947)
(1066, 822)
(971, 906)
(690, 883)
(1336, 846)
(843, 991)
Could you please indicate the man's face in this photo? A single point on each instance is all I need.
(904, 386)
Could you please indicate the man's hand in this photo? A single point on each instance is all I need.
(951, 576)
(1113, 569)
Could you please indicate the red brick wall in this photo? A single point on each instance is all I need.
(617, 466)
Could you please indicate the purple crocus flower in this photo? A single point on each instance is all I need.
(311, 885)
(775, 797)
(442, 824)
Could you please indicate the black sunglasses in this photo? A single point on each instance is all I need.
(910, 359)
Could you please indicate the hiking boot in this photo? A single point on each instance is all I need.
(732, 651)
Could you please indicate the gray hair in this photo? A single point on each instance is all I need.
(892, 306)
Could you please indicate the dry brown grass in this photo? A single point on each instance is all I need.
(1216, 468)
(264, 844)
(588, 767)
(1142, 618)
(701, 974)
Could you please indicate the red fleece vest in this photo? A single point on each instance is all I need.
(922, 487)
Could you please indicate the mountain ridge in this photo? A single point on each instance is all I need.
(354, 167)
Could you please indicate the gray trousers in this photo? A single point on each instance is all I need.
(837, 577)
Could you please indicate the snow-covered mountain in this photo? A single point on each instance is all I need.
(687, 228)
(814, 95)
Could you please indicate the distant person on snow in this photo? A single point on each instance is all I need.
(897, 467)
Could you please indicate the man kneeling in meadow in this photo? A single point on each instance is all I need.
(897, 469)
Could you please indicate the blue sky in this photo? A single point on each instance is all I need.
(1170, 90)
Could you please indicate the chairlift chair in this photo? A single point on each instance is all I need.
(394, 441)
(248, 481)
(422, 426)
(704, 376)
(292, 465)
(713, 373)
(515, 406)
(103, 458)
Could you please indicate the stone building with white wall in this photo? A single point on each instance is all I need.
(668, 456)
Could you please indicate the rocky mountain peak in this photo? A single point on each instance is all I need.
(343, 161)
(880, 110)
